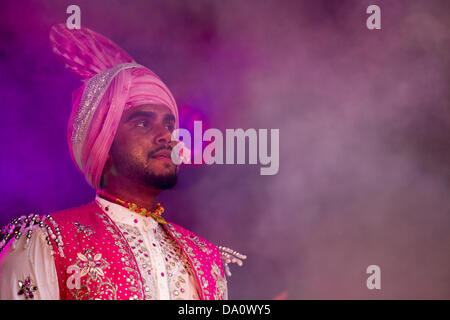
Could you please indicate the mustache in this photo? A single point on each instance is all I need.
(151, 153)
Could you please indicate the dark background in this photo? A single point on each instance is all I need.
(364, 119)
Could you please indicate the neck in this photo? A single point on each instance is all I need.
(131, 191)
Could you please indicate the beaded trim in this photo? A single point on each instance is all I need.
(16, 228)
(155, 214)
(90, 99)
(230, 256)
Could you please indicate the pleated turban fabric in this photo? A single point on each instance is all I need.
(113, 83)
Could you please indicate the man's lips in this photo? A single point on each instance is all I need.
(165, 155)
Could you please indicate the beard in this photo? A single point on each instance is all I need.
(161, 182)
(138, 171)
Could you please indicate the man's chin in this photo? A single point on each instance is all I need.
(162, 182)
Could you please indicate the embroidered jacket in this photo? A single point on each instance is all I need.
(93, 259)
(106, 264)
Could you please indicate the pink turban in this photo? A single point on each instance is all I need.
(113, 82)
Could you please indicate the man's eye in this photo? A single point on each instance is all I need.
(170, 127)
(142, 124)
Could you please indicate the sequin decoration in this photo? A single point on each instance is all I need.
(92, 265)
(142, 255)
(26, 225)
(27, 289)
(92, 95)
(221, 282)
(127, 257)
(81, 228)
(176, 264)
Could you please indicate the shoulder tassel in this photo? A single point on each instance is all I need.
(25, 224)
(230, 256)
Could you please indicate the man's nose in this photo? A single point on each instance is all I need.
(163, 136)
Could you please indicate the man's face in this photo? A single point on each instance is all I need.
(141, 150)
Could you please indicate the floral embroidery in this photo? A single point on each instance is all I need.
(127, 281)
(196, 263)
(133, 236)
(81, 228)
(27, 288)
(91, 264)
(176, 262)
(221, 282)
(200, 244)
(128, 258)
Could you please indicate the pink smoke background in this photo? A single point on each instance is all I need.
(364, 119)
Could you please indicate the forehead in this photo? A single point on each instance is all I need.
(158, 110)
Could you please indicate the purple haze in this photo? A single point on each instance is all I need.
(364, 119)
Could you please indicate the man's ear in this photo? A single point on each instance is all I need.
(108, 163)
(106, 170)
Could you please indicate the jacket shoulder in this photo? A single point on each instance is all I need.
(27, 225)
(70, 213)
(185, 234)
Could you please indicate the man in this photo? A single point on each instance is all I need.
(118, 246)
